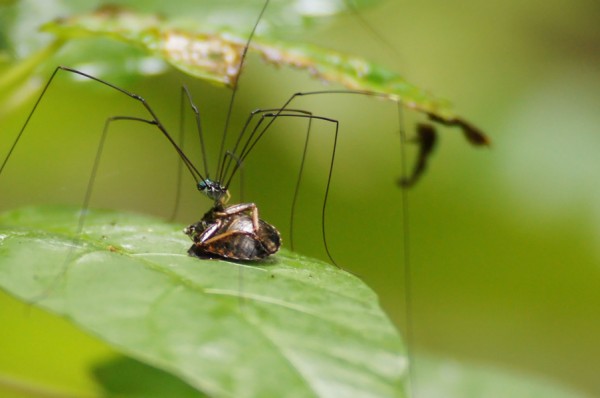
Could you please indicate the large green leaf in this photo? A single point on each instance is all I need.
(286, 327)
(289, 326)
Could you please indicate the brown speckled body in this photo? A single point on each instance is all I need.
(230, 233)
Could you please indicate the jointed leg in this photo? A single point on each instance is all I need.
(241, 208)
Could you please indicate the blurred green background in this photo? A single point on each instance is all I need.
(504, 242)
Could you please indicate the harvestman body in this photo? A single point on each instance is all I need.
(233, 232)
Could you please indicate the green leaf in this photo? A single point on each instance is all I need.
(125, 377)
(214, 52)
(289, 326)
(437, 377)
(215, 55)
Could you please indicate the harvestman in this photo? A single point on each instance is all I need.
(236, 231)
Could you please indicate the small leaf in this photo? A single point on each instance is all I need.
(289, 326)
(125, 377)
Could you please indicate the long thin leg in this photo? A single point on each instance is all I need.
(249, 144)
(226, 163)
(256, 135)
(235, 83)
(298, 182)
(88, 195)
(185, 94)
(18, 138)
(195, 173)
(96, 165)
(473, 135)
(406, 256)
(240, 168)
(426, 141)
(197, 118)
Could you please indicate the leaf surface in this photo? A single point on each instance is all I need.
(289, 326)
